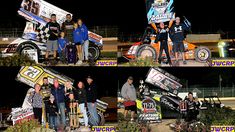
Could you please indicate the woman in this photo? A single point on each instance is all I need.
(77, 38)
(85, 40)
(36, 100)
(81, 97)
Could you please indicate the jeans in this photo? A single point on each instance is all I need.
(53, 122)
(62, 113)
(94, 118)
(83, 110)
(62, 56)
(85, 47)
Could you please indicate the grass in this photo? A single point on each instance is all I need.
(140, 62)
(108, 55)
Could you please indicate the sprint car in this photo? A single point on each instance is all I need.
(30, 75)
(149, 47)
(37, 12)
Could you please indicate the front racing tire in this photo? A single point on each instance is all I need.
(146, 51)
(202, 54)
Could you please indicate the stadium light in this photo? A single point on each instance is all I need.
(221, 45)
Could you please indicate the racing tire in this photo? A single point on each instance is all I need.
(202, 54)
(146, 50)
(27, 46)
(101, 119)
(94, 52)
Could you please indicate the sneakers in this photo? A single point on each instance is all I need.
(132, 120)
(79, 62)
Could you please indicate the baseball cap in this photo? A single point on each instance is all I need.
(89, 77)
(130, 78)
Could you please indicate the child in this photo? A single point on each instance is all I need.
(73, 105)
(53, 111)
(62, 44)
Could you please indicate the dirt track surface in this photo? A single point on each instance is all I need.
(163, 126)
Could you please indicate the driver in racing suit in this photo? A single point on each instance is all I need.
(192, 108)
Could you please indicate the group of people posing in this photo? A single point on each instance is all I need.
(176, 32)
(69, 32)
(65, 101)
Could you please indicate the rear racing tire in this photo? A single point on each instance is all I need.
(101, 118)
(146, 50)
(202, 54)
(94, 51)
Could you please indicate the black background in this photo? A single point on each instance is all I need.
(130, 15)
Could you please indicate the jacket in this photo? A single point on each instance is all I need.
(59, 94)
(80, 34)
(80, 95)
(52, 109)
(128, 91)
(177, 32)
(91, 93)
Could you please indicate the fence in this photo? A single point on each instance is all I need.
(10, 32)
(105, 31)
(201, 92)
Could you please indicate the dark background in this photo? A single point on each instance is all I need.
(130, 15)
(196, 76)
(13, 93)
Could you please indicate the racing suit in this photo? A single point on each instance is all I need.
(163, 38)
(192, 110)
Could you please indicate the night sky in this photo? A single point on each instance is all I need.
(130, 15)
(109, 79)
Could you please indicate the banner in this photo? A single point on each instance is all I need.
(150, 112)
(159, 10)
(163, 80)
(20, 114)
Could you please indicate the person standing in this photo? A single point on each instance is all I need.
(128, 92)
(177, 34)
(62, 41)
(163, 38)
(54, 30)
(85, 40)
(77, 39)
(192, 108)
(58, 91)
(36, 100)
(53, 112)
(67, 28)
(46, 92)
(81, 97)
(91, 96)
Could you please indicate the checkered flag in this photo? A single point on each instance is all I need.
(43, 33)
